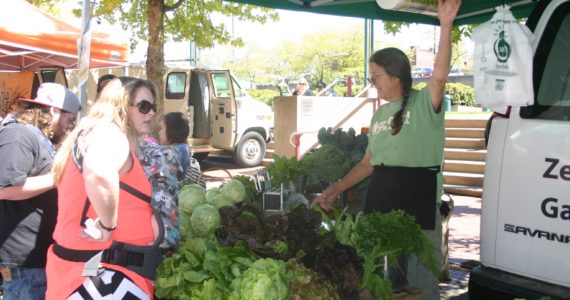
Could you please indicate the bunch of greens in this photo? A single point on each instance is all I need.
(340, 151)
(329, 165)
(350, 145)
(392, 234)
(343, 224)
(296, 234)
(341, 265)
(278, 236)
(201, 269)
(285, 170)
(305, 283)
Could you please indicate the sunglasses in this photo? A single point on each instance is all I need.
(145, 107)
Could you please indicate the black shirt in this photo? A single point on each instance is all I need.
(26, 226)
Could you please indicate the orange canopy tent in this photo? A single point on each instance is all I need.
(31, 38)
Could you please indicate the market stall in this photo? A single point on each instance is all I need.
(30, 39)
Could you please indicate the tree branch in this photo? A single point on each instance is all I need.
(173, 6)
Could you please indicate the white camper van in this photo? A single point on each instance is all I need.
(525, 217)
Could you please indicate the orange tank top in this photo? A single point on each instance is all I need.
(133, 227)
(134, 214)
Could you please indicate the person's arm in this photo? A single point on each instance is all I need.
(32, 187)
(102, 164)
(362, 170)
(446, 12)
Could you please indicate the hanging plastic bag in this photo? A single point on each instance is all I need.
(503, 58)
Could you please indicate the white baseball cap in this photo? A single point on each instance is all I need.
(56, 95)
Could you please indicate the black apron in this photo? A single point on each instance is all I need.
(411, 189)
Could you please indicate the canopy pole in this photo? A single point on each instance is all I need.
(368, 45)
(84, 51)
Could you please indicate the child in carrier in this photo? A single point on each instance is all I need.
(164, 165)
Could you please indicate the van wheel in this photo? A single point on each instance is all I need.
(250, 150)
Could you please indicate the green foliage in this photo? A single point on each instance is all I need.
(329, 164)
(342, 90)
(284, 170)
(321, 56)
(460, 94)
(202, 269)
(456, 34)
(377, 235)
(340, 151)
(187, 20)
(265, 96)
(392, 234)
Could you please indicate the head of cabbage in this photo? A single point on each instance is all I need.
(205, 220)
(190, 196)
(265, 279)
(234, 190)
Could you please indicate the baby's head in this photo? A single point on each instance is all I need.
(174, 129)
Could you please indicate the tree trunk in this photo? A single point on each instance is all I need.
(155, 51)
(155, 54)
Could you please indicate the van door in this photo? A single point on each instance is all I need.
(223, 108)
(176, 91)
(530, 203)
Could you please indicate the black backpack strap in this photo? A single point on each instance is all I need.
(142, 260)
(127, 188)
(133, 191)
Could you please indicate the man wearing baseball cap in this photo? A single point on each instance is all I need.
(28, 198)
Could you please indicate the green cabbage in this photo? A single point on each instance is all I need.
(185, 226)
(234, 190)
(265, 279)
(211, 193)
(205, 220)
(190, 196)
(221, 200)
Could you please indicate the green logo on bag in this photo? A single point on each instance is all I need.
(502, 48)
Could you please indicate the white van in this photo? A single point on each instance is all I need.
(525, 217)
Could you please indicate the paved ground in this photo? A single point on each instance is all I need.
(463, 246)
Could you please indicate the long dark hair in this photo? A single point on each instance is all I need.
(396, 63)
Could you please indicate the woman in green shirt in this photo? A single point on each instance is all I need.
(406, 141)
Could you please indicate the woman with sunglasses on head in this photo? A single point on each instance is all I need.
(104, 241)
(405, 148)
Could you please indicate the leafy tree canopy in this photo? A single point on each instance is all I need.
(184, 19)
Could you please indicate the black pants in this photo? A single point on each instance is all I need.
(411, 189)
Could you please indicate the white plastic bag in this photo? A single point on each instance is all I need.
(502, 67)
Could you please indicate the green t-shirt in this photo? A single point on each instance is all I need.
(419, 143)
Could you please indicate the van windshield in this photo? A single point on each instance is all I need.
(552, 70)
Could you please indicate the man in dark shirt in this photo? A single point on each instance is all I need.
(28, 198)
